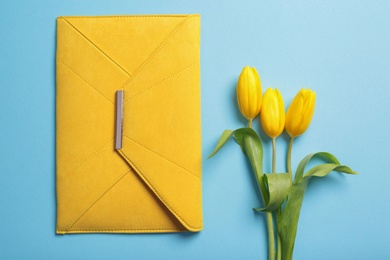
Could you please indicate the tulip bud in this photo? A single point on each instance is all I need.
(300, 112)
(272, 116)
(249, 93)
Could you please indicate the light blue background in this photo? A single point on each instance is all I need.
(340, 49)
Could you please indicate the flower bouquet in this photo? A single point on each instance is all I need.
(282, 195)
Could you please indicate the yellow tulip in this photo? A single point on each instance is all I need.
(300, 112)
(272, 114)
(249, 93)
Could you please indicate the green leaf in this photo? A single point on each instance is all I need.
(327, 157)
(252, 147)
(287, 222)
(278, 188)
(324, 169)
(222, 141)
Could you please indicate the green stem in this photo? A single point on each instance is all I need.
(289, 151)
(274, 155)
(279, 248)
(271, 236)
(279, 245)
(270, 221)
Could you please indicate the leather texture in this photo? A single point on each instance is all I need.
(152, 184)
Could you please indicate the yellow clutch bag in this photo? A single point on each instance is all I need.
(128, 140)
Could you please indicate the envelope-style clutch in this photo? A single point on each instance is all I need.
(128, 141)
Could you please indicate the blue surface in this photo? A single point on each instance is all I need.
(340, 49)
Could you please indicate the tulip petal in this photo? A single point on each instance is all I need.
(272, 115)
(249, 93)
(300, 112)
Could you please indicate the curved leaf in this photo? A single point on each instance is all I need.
(328, 157)
(324, 169)
(252, 147)
(222, 141)
(278, 188)
(288, 221)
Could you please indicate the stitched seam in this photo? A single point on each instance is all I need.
(157, 193)
(159, 155)
(162, 81)
(94, 201)
(96, 152)
(97, 47)
(158, 49)
(125, 16)
(163, 44)
(86, 82)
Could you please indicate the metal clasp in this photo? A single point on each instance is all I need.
(119, 119)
